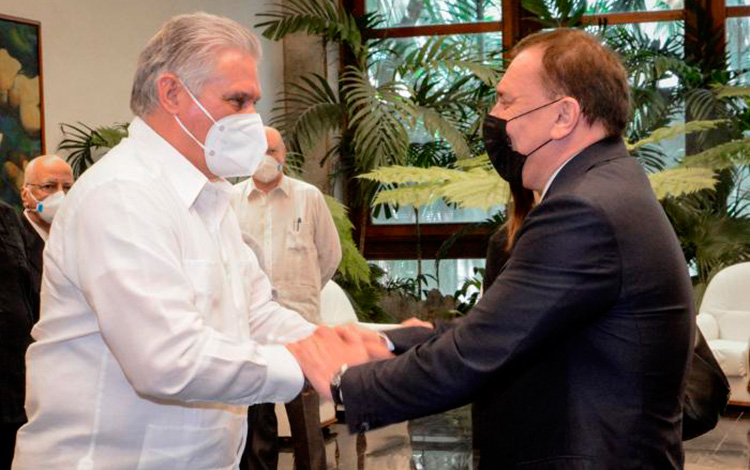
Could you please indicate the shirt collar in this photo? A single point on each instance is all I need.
(284, 186)
(186, 180)
(554, 175)
(43, 234)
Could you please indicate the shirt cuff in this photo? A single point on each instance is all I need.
(387, 340)
(284, 378)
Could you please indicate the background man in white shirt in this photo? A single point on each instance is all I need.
(288, 222)
(157, 325)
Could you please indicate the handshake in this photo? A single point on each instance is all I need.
(323, 354)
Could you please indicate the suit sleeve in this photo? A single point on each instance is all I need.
(404, 339)
(565, 270)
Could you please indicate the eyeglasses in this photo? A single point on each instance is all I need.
(51, 187)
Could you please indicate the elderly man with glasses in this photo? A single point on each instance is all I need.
(47, 179)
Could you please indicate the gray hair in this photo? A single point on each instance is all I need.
(29, 173)
(186, 45)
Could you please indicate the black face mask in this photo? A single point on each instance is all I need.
(507, 162)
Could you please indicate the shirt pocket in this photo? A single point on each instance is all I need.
(299, 237)
(205, 279)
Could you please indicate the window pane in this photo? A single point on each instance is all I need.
(737, 3)
(453, 272)
(462, 101)
(616, 6)
(404, 13)
(645, 49)
(436, 213)
(388, 55)
(738, 46)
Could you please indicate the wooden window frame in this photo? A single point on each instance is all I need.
(400, 241)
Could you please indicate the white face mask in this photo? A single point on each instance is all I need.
(47, 207)
(269, 170)
(235, 144)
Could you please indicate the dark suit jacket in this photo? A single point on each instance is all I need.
(583, 339)
(16, 318)
(34, 245)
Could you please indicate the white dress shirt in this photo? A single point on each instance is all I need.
(293, 231)
(157, 325)
(43, 234)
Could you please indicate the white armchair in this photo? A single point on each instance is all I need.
(724, 320)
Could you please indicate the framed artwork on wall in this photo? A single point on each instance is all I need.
(21, 102)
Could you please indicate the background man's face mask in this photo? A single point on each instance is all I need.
(235, 144)
(269, 170)
(48, 206)
(507, 162)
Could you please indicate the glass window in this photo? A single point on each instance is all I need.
(436, 213)
(646, 48)
(618, 6)
(452, 92)
(453, 272)
(738, 3)
(738, 46)
(391, 58)
(404, 13)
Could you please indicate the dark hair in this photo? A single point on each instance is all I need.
(519, 208)
(578, 65)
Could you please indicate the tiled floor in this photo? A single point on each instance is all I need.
(443, 442)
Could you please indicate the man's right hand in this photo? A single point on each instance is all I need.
(322, 354)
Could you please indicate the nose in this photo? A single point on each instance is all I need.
(496, 110)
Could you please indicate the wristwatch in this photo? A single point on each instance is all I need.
(338, 398)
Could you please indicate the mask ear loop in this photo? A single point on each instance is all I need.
(195, 100)
(535, 109)
(198, 103)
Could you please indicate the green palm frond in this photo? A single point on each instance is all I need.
(377, 115)
(353, 265)
(479, 188)
(679, 181)
(434, 122)
(726, 91)
(82, 142)
(669, 132)
(476, 187)
(486, 73)
(408, 174)
(317, 111)
(478, 161)
(442, 54)
(416, 195)
(721, 156)
(327, 18)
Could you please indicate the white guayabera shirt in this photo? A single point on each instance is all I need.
(157, 325)
(292, 229)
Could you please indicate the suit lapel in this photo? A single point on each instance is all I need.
(607, 149)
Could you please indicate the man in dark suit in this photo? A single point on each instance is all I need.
(47, 178)
(16, 320)
(583, 339)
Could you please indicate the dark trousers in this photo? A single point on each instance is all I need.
(7, 443)
(262, 448)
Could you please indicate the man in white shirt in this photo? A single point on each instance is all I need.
(157, 325)
(288, 223)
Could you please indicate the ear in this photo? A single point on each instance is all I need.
(26, 197)
(569, 113)
(171, 93)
